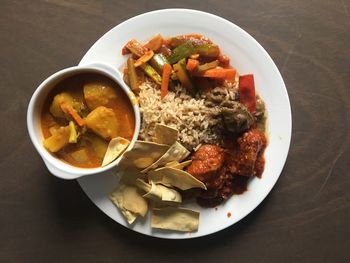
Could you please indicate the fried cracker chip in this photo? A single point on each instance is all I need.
(176, 152)
(143, 154)
(158, 192)
(178, 165)
(129, 176)
(169, 176)
(129, 201)
(165, 134)
(173, 218)
(115, 148)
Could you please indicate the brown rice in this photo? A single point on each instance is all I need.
(196, 122)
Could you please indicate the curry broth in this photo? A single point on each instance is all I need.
(94, 146)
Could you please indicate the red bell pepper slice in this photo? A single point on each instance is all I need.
(246, 91)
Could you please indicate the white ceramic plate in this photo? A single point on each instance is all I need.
(247, 56)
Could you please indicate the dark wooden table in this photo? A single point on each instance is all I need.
(304, 219)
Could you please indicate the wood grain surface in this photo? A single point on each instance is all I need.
(304, 219)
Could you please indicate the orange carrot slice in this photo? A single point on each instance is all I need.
(165, 80)
(218, 73)
(192, 64)
(72, 112)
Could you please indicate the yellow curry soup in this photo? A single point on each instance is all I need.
(80, 117)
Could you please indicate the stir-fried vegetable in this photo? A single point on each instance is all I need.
(218, 73)
(154, 43)
(184, 76)
(158, 61)
(194, 56)
(165, 80)
(152, 73)
(136, 48)
(132, 76)
(207, 50)
(192, 64)
(224, 60)
(247, 92)
(144, 58)
(195, 39)
(180, 52)
(186, 53)
(208, 65)
(187, 49)
(193, 60)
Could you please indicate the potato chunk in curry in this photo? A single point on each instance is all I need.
(58, 100)
(98, 94)
(103, 122)
(98, 144)
(58, 139)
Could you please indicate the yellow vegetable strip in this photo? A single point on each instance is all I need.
(146, 57)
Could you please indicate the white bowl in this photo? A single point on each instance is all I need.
(56, 166)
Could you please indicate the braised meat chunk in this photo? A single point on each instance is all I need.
(226, 171)
(206, 162)
(236, 117)
(251, 147)
(206, 166)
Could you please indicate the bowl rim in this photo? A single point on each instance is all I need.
(56, 166)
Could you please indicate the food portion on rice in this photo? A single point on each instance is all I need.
(202, 128)
(196, 122)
